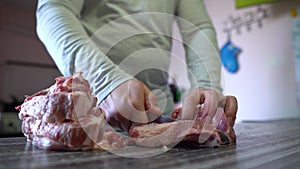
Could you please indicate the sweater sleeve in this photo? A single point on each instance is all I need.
(199, 38)
(60, 30)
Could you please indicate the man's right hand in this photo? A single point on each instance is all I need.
(131, 102)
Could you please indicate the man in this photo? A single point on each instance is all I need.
(121, 46)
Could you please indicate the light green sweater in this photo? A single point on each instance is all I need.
(112, 41)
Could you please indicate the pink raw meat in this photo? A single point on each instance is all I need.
(64, 116)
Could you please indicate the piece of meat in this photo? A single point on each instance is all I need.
(157, 135)
(71, 135)
(68, 99)
(64, 116)
(112, 140)
(58, 107)
(184, 132)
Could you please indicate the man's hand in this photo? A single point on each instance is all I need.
(230, 110)
(131, 102)
(210, 99)
(214, 104)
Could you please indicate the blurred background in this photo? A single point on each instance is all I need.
(261, 65)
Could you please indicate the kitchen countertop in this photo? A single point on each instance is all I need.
(265, 145)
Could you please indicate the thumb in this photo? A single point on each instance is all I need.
(132, 105)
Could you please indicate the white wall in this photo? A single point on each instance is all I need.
(265, 85)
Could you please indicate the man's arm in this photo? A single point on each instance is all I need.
(202, 56)
(199, 37)
(59, 28)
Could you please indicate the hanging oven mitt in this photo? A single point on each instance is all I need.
(229, 56)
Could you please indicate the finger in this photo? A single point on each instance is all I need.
(151, 105)
(209, 106)
(209, 128)
(150, 99)
(137, 98)
(137, 95)
(211, 102)
(153, 113)
(131, 104)
(231, 107)
(133, 114)
(189, 106)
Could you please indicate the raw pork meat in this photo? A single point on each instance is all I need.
(64, 116)
(112, 139)
(186, 132)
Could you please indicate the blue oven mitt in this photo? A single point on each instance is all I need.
(229, 56)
